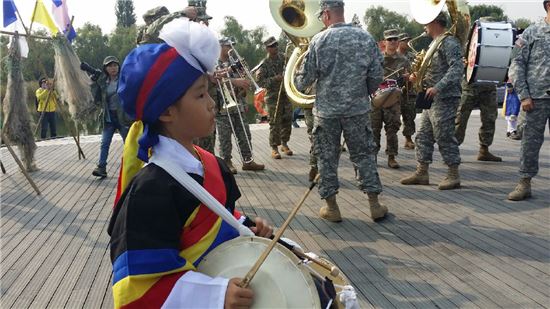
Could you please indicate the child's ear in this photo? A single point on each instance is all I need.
(167, 115)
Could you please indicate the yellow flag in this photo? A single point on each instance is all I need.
(41, 16)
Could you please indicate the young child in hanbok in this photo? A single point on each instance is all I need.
(159, 230)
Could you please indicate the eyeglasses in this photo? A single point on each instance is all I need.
(320, 17)
(273, 45)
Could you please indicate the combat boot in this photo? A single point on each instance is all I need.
(452, 181)
(522, 190)
(409, 144)
(392, 163)
(313, 171)
(377, 211)
(331, 212)
(100, 171)
(286, 150)
(275, 152)
(485, 155)
(253, 166)
(230, 166)
(420, 176)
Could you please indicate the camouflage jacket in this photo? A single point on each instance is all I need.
(347, 65)
(393, 63)
(530, 69)
(265, 77)
(446, 69)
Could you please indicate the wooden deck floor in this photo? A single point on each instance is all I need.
(438, 249)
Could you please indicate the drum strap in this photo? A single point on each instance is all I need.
(201, 194)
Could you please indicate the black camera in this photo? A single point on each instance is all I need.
(94, 73)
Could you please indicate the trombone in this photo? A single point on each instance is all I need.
(229, 98)
(238, 64)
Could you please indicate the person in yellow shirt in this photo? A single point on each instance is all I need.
(46, 97)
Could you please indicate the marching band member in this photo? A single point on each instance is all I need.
(408, 108)
(442, 84)
(159, 231)
(270, 77)
(237, 124)
(342, 60)
(390, 117)
(530, 73)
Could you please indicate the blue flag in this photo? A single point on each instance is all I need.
(9, 12)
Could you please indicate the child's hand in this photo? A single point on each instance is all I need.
(237, 297)
(262, 228)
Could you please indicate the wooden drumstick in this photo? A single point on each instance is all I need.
(334, 271)
(252, 272)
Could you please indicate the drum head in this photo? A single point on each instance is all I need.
(281, 282)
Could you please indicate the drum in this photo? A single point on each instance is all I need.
(283, 280)
(489, 50)
(387, 95)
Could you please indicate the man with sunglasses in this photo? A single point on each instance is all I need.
(270, 76)
(346, 65)
(396, 67)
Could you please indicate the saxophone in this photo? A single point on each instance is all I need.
(424, 13)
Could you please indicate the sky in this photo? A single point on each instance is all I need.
(249, 13)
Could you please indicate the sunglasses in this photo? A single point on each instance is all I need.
(273, 45)
(320, 16)
(392, 39)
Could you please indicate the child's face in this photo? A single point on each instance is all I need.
(193, 115)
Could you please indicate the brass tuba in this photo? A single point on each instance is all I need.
(424, 11)
(297, 19)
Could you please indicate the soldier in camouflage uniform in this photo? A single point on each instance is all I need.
(442, 83)
(486, 96)
(150, 33)
(390, 116)
(308, 117)
(228, 120)
(530, 73)
(342, 60)
(149, 17)
(270, 77)
(408, 108)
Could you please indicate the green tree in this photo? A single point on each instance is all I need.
(522, 23)
(482, 10)
(40, 59)
(122, 41)
(91, 45)
(379, 19)
(247, 42)
(124, 11)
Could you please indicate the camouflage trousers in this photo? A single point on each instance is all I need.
(327, 134)
(242, 131)
(488, 110)
(408, 112)
(390, 117)
(308, 116)
(437, 126)
(280, 125)
(536, 121)
(207, 143)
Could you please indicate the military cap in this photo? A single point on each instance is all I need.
(327, 4)
(155, 13)
(391, 34)
(270, 41)
(404, 37)
(225, 41)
